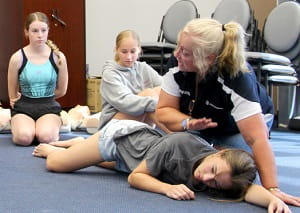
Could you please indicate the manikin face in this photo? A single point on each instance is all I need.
(128, 52)
(37, 32)
(214, 172)
(184, 54)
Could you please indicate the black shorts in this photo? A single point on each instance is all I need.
(36, 107)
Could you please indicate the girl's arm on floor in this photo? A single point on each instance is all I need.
(258, 195)
(141, 178)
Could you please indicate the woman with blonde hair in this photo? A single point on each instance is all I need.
(213, 93)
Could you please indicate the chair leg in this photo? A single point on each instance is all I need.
(293, 102)
(269, 88)
(286, 104)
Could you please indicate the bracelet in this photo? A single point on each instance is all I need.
(184, 123)
(274, 189)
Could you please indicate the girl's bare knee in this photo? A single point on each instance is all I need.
(24, 139)
(46, 137)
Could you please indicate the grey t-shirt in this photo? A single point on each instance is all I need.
(174, 158)
(170, 158)
(135, 144)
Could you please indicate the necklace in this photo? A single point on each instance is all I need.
(193, 101)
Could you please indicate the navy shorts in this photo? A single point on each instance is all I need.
(36, 107)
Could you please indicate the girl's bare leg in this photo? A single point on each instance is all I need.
(47, 128)
(108, 165)
(148, 118)
(151, 118)
(123, 116)
(23, 129)
(78, 156)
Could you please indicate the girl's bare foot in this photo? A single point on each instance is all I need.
(43, 150)
(67, 143)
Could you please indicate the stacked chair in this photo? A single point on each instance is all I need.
(157, 53)
(274, 52)
(277, 62)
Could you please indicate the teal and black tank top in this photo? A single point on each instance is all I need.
(38, 81)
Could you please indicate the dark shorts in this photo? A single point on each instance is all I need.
(36, 107)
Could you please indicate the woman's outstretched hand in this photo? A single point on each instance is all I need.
(287, 198)
(278, 206)
(201, 123)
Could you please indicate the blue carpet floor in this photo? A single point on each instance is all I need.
(26, 186)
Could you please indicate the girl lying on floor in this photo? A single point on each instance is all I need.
(175, 165)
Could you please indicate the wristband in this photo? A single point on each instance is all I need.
(184, 123)
(271, 189)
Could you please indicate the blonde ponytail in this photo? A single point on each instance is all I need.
(232, 56)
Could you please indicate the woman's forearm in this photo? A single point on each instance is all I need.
(265, 162)
(171, 118)
(263, 155)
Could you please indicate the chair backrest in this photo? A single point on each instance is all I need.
(281, 1)
(240, 12)
(281, 31)
(175, 19)
(233, 10)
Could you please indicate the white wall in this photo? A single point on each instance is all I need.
(106, 18)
